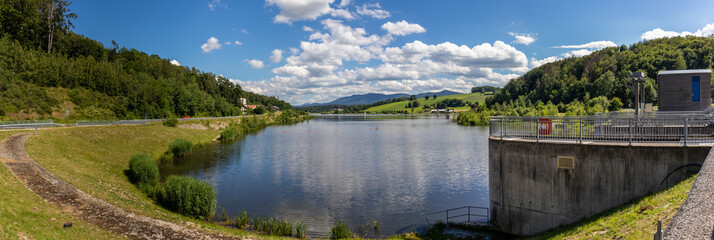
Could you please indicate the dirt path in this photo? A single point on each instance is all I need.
(84, 206)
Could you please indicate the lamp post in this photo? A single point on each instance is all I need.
(637, 78)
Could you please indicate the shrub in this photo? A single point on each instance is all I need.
(180, 147)
(190, 197)
(340, 231)
(299, 230)
(229, 133)
(144, 171)
(170, 122)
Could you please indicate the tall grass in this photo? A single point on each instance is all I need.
(274, 226)
(180, 147)
(299, 230)
(229, 133)
(242, 220)
(190, 197)
(340, 231)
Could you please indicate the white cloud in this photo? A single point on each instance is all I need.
(257, 64)
(523, 38)
(227, 43)
(210, 45)
(706, 31)
(216, 4)
(591, 45)
(296, 10)
(276, 55)
(238, 42)
(319, 71)
(577, 53)
(174, 62)
(537, 63)
(344, 3)
(342, 13)
(307, 29)
(373, 10)
(244, 31)
(403, 28)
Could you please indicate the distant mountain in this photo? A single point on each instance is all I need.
(370, 98)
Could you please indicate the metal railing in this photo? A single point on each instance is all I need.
(682, 129)
(460, 215)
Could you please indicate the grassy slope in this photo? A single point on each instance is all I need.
(93, 159)
(399, 106)
(635, 220)
(24, 214)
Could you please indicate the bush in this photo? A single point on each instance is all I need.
(170, 122)
(144, 171)
(180, 147)
(340, 231)
(229, 133)
(190, 197)
(258, 110)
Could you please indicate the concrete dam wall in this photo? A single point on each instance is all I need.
(538, 186)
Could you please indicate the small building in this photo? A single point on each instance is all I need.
(252, 106)
(275, 108)
(684, 90)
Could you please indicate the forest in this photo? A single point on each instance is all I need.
(46, 68)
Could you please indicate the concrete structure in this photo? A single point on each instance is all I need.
(536, 186)
(684, 90)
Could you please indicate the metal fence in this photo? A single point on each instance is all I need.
(682, 129)
(465, 214)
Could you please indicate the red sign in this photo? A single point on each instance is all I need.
(545, 126)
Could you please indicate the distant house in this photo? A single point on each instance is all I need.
(275, 108)
(252, 106)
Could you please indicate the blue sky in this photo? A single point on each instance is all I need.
(318, 50)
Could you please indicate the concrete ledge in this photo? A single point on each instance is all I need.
(695, 218)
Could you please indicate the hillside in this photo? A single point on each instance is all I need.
(401, 105)
(47, 68)
(606, 72)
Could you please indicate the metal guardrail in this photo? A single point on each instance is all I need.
(460, 213)
(682, 129)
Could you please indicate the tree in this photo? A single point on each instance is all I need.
(615, 104)
(258, 110)
(434, 96)
(415, 104)
(412, 98)
(426, 97)
(57, 17)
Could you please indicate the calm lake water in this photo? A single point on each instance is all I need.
(341, 168)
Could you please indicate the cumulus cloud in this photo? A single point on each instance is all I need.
(591, 45)
(523, 38)
(210, 45)
(373, 10)
(238, 42)
(706, 31)
(577, 53)
(403, 28)
(307, 29)
(537, 63)
(176, 63)
(344, 3)
(318, 70)
(257, 64)
(296, 10)
(276, 55)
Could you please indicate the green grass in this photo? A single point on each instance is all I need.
(399, 106)
(94, 159)
(25, 215)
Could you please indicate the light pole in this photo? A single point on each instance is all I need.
(637, 78)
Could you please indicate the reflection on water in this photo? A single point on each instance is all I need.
(347, 168)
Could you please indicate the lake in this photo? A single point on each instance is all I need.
(350, 168)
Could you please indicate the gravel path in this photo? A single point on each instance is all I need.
(84, 206)
(695, 218)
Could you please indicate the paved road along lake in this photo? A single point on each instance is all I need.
(354, 169)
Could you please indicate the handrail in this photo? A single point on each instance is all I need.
(680, 129)
(468, 214)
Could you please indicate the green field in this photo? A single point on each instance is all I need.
(400, 106)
